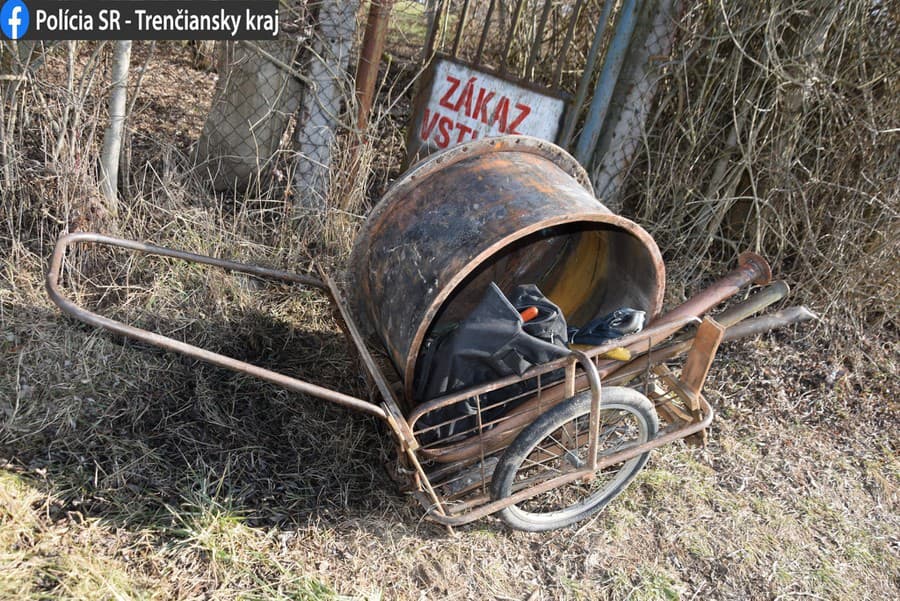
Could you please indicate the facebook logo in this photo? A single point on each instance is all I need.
(14, 19)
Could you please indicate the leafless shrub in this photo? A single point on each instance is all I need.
(778, 132)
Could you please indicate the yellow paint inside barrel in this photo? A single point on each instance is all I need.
(583, 273)
(579, 266)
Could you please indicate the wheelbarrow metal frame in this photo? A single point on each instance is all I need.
(583, 371)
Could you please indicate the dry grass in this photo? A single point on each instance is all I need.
(129, 473)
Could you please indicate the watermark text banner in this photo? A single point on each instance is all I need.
(149, 20)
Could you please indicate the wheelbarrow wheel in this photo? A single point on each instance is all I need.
(557, 442)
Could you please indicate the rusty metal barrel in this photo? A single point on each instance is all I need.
(510, 210)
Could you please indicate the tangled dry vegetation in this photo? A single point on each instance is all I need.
(128, 473)
(778, 131)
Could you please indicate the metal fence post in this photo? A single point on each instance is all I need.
(615, 57)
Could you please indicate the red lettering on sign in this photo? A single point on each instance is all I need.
(465, 98)
(445, 125)
(445, 99)
(524, 111)
(428, 126)
(501, 114)
(463, 130)
(481, 105)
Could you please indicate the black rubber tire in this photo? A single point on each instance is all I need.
(615, 401)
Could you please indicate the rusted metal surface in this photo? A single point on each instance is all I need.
(704, 347)
(435, 15)
(752, 269)
(370, 58)
(170, 344)
(509, 210)
(594, 419)
(696, 368)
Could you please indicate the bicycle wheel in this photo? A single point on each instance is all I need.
(557, 442)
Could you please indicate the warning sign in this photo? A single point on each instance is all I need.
(465, 104)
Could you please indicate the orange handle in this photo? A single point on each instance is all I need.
(528, 313)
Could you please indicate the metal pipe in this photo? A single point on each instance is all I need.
(765, 323)
(484, 32)
(594, 417)
(749, 327)
(538, 38)
(568, 131)
(512, 34)
(370, 59)
(394, 416)
(432, 33)
(757, 302)
(464, 15)
(752, 268)
(606, 83)
(170, 344)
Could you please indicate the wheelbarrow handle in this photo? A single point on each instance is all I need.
(170, 344)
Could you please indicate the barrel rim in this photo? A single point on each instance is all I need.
(439, 160)
(450, 156)
(510, 143)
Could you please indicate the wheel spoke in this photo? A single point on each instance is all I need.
(560, 444)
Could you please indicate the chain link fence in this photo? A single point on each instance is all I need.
(283, 99)
(623, 131)
(254, 101)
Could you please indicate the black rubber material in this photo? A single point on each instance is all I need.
(612, 398)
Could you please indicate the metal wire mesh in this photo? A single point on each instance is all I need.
(254, 100)
(623, 131)
(283, 96)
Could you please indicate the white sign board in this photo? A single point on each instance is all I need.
(465, 104)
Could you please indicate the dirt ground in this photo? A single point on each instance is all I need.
(129, 473)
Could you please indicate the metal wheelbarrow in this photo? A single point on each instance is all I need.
(554, 445)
